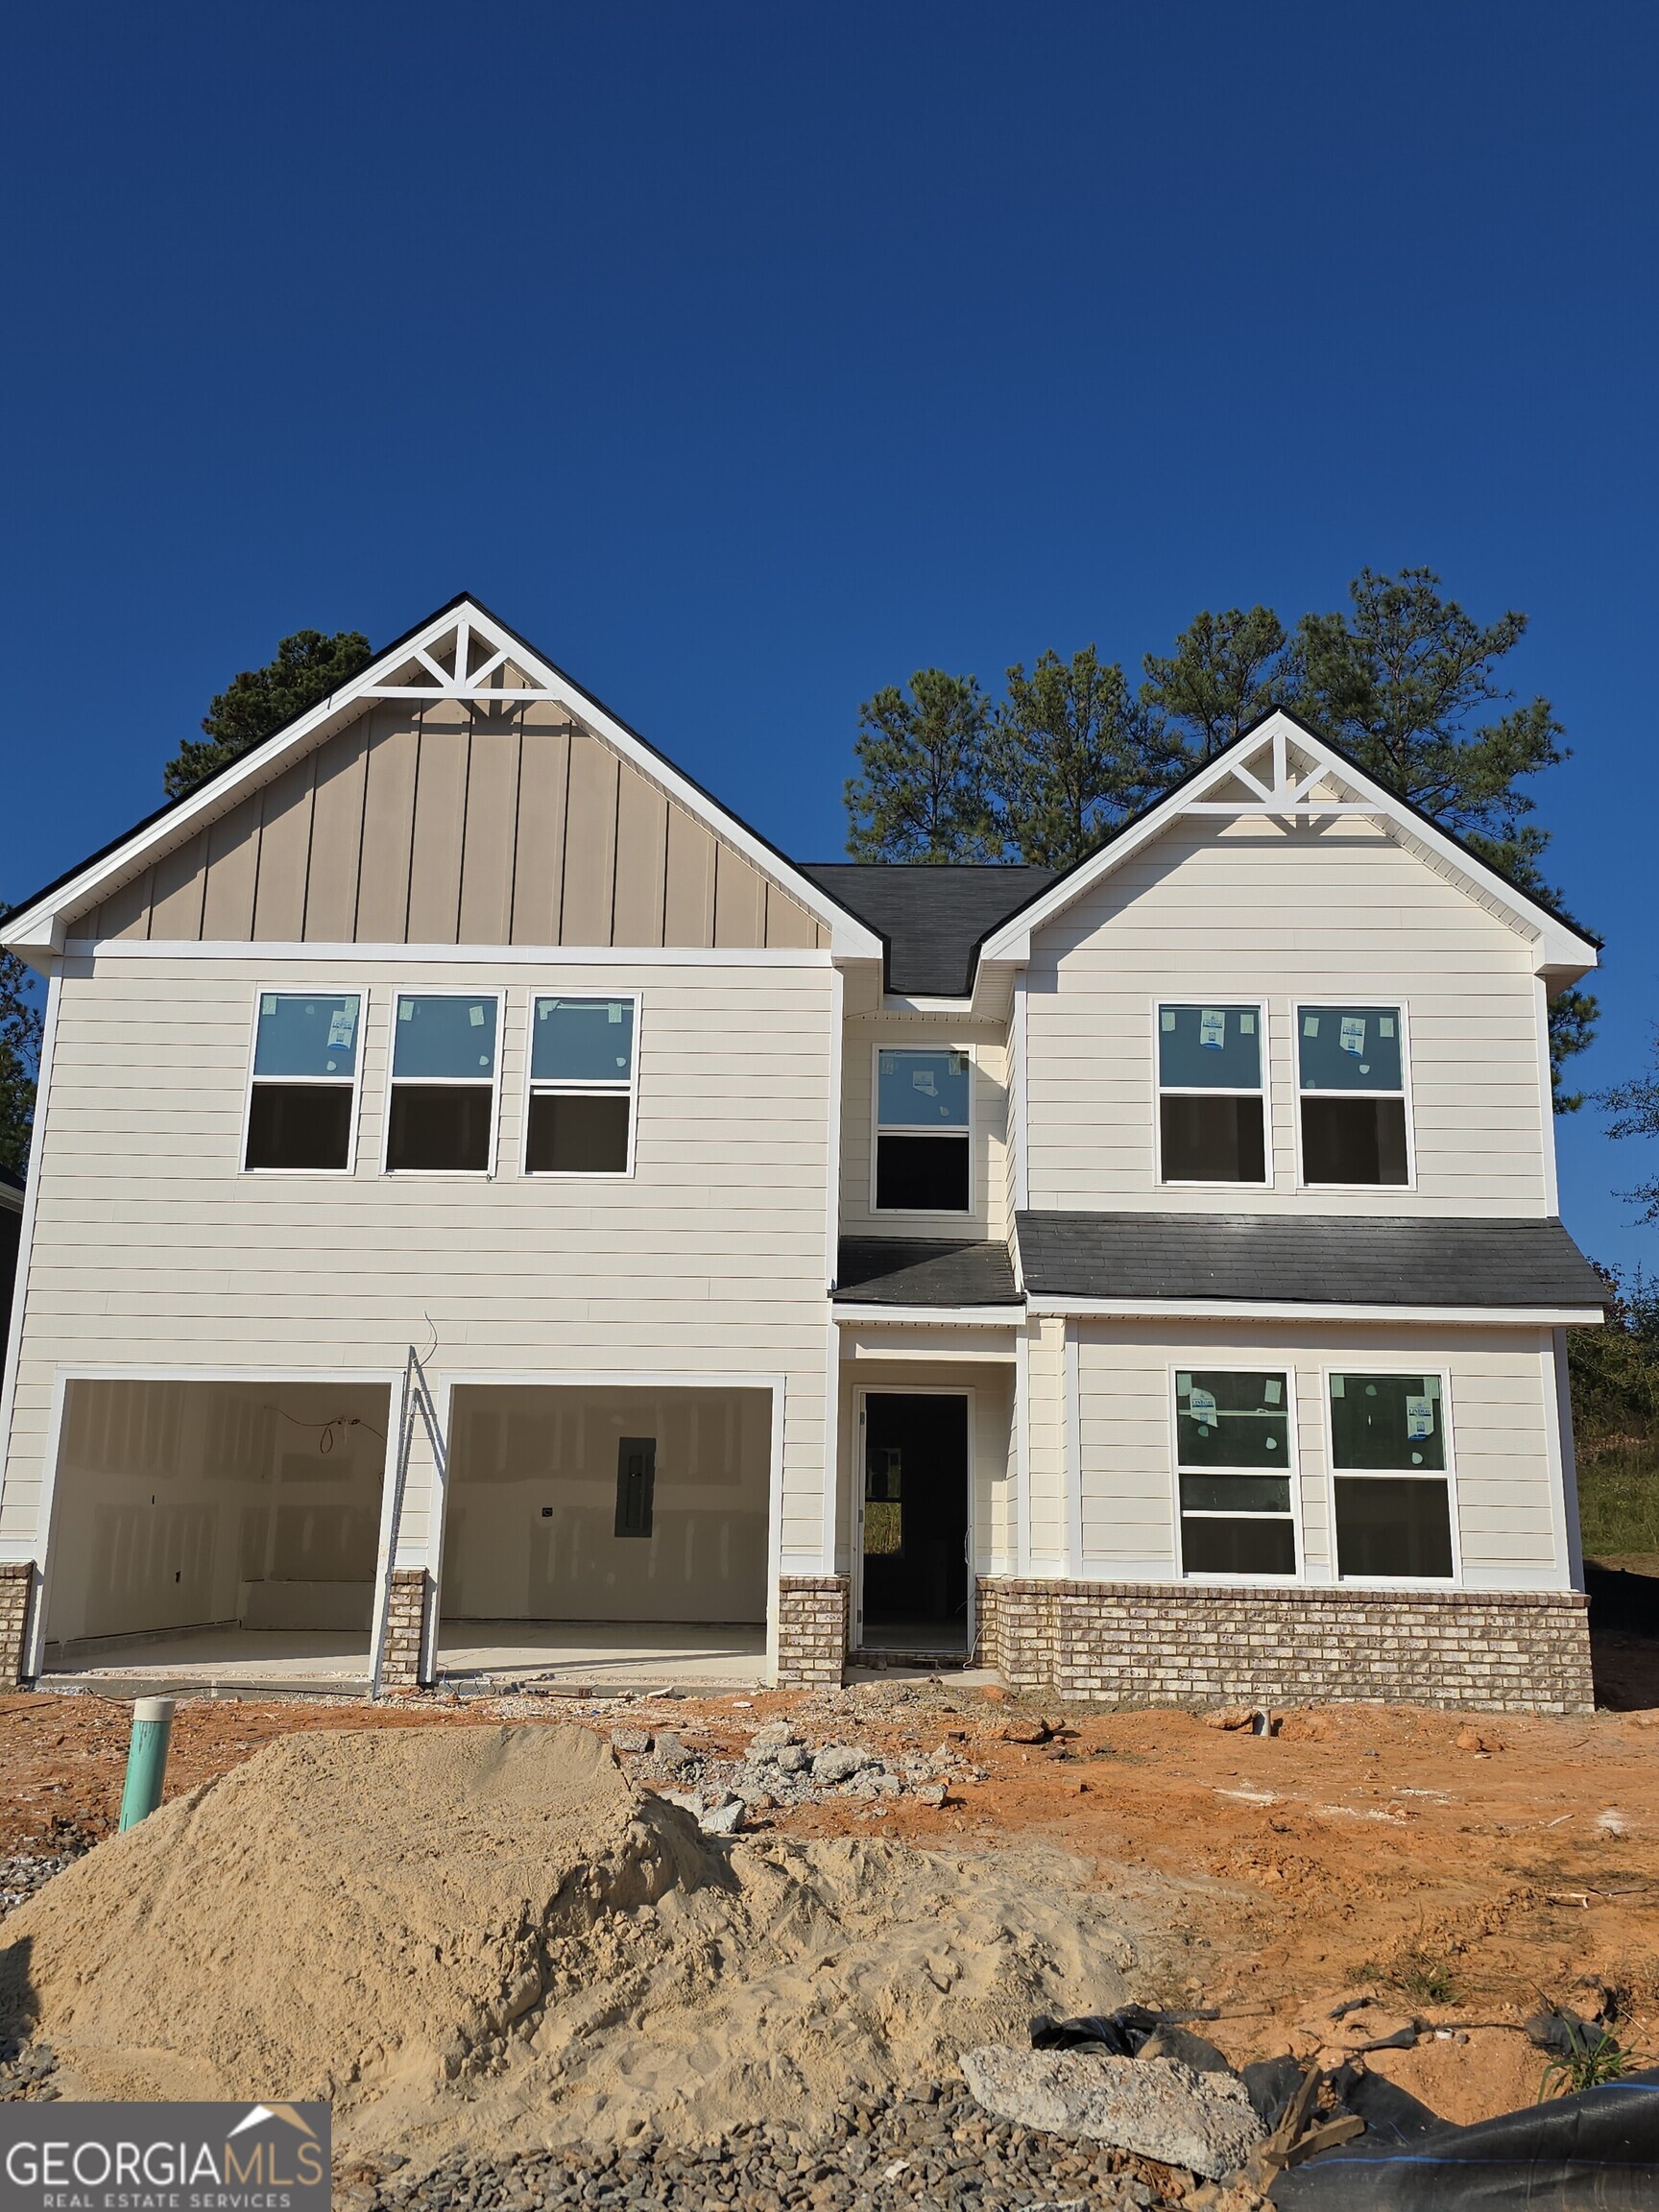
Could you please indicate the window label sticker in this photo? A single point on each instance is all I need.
(1309, 1025)
(1246, 1024)
(1271, 1390)
(1202, 1404)
(476, 1014)
(1338, 1386)
(1385, 1024)
(1212, 1029)
(1353, 1037)
(342, 1024)
(405, 1009)
(613, 1014)
(1419, 1417)
(922, 1079)
(268, 1004)
(1167, 1019)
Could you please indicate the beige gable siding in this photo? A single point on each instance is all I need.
(1243, 911)
(985, 1042)
(460, 823)
(1499, 1384)
(153, 1252)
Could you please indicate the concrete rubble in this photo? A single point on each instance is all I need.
(1156, 2108)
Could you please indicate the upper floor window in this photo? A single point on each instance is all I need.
(442, 1115)
(300, 1106)
(1212, 1112)
(581, 1115)
(1390, 1476)
(923, 1117)
(1233, 1462)
(1350, 1080)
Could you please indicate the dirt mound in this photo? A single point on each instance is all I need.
(487, 1932)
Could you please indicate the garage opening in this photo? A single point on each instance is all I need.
(607, 1535)
(216, 1530)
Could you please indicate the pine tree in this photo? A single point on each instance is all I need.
(21, 1023)
(922, 792)
(1226, 672)
(1072, 753)
(261, 701)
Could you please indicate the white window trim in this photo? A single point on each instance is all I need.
(1446, 1475)
(1402, 1015)
(486, 1173)
(358, 991)
(920, 1212)
(1293, 1470)
(559, 1087)
(1259, 1007)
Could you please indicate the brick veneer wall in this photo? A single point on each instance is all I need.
(811, 1629)
(1154, 1644)
(16, 1580)
(405, 1619)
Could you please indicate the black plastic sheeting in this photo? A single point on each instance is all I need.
(1597, 2152)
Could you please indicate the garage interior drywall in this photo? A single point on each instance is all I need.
(179, 1503)
(531, 1529)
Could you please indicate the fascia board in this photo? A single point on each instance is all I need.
(1561, 950)
(42, 927)
(1253, 1310)
(1005, 1316)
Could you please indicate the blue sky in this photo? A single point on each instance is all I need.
(748, 357)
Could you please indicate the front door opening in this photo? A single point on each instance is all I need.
(915, 1561)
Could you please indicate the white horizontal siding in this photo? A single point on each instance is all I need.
(1231, 910)
(1502, 1391)
(153, 1250)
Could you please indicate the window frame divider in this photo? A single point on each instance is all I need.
(596, 1089)
(1448, 1475)
(968, 1212)
(361, 992)
(488, 1172)
(1240, 1002)
(1299, 1578)
(1403, 1012)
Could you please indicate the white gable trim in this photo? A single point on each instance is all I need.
(478, 647)
(1287, 793)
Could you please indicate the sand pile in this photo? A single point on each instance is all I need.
(487, 1932)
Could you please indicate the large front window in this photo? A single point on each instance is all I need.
(300, 1108)
(581, 1087)
(1351, 1076)
(1212, 1118)
(1233, 1458)
(442, 1118)
(1389, 1472)
(923, 1108)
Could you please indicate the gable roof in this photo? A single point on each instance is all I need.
(1564, 949)
(931, 916)
(454, 654)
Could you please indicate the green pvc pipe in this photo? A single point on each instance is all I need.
(145, 1759)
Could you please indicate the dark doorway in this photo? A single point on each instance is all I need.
(915, 1522)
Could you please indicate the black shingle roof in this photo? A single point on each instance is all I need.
(1325, 1258)
(910, 1271)
(932, 917)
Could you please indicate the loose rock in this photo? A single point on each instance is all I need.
(1157, 2109)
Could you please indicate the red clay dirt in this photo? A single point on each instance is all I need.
(1455, 1868)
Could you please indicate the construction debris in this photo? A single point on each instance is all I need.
(1155, 2108)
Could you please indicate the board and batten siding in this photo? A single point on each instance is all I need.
(1500, 1383)
(151, 1251)
(1236, 910)
(458, 824)
(985, 1042)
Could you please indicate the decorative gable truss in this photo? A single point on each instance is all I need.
(463, 790)
(1284, 772)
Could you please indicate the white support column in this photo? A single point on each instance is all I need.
(1074, 1422)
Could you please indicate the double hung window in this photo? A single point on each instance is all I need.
(1212, 1112)
(304, 1087)
(444, 1053)
(1390, 1474)
(1233, 1461)
(1350, 1078)
(923, 1108)
(581, 1112)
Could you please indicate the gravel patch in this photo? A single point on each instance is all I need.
(932, 2148)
